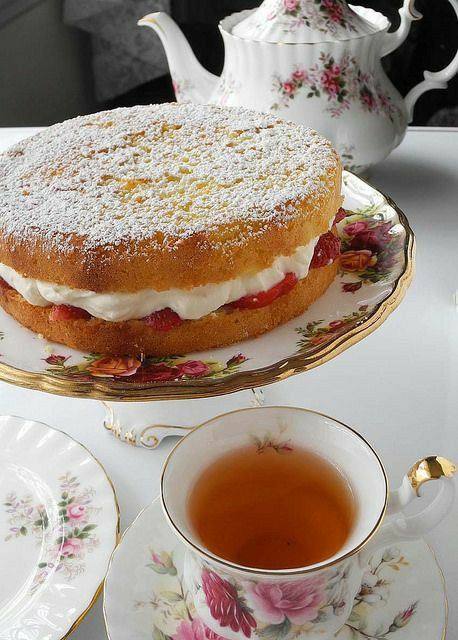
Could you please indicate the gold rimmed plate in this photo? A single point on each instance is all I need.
(375, 269)
(59, 523)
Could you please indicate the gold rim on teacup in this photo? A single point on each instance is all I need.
(213, 558)
(215, 583)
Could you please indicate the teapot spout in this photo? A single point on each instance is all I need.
(191, 82)
(393, 40)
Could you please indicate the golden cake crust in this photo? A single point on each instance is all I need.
(134, 337)
(162, 197)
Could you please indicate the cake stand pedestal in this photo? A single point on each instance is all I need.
(132, 422)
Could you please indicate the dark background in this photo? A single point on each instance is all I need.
(46, 66)
(430, 45)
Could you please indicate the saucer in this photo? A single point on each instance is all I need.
(375, 269)
(59, 524)
(402, 596)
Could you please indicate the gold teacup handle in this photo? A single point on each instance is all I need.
(432, 468)
(400, 527)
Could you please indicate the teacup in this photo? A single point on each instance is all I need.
(238, 602)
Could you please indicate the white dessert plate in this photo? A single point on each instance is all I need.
(376, 267)
(402, 596)
(59, 524)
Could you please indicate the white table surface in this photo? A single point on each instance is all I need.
(398, 387)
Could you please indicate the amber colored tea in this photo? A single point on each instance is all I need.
(272, 506)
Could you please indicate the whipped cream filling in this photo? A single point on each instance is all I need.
(190, 304)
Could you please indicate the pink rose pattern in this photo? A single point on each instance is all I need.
(147, 370)
(317, 332)
(370, 249)
(194, 368)
(341, 82)
(291, 5)
(76, 512)
(270, 609)
(298, 602)
(327, 16)
(353, 228)
(70, 548)
(195, 630)
(67, 546)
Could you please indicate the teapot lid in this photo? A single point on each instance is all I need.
(307, 21)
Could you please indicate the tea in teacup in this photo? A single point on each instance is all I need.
(270, 505)
(284, 505)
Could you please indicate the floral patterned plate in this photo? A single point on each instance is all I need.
(144, 598)
(376, 267)
(59, 524)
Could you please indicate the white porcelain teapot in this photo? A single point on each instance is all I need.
(317, 62)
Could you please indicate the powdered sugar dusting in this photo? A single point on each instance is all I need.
(161, 173)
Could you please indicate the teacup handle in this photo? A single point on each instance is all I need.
(400, 527)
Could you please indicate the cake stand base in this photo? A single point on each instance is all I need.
(132, 422)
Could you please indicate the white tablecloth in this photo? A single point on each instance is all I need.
(398, 387)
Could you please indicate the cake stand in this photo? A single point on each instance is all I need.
(375, 269)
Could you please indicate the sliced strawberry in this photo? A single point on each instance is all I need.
(326, 250)
(4, 285)
(340, 215)
(67, 312)
(264, 298)
(163, 320)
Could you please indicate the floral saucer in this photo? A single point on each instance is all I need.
(59, 524)
(376, 267)
(402, 594)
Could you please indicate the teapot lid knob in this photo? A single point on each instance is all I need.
(308, 21)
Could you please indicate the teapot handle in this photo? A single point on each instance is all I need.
(432, 79)
(401, 527)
